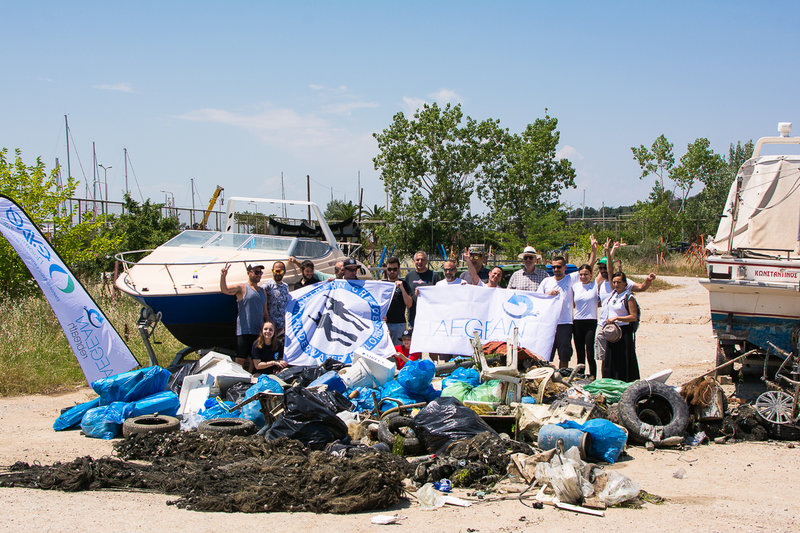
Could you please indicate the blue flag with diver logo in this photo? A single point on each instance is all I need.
(100, 350)
(333, 319)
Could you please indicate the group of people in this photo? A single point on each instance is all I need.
(598, 313)
(589, 304)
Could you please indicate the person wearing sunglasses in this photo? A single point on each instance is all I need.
(561, 285)
(401, 300)
(450, 270)
(277, 297)
(251, 303)
(529, 276)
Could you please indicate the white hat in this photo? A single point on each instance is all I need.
(529, 250)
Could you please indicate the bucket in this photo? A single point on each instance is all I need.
(358, 375)
(554, 436)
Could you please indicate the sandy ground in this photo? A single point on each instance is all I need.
(731, 487)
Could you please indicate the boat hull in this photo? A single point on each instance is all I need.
(197, 320)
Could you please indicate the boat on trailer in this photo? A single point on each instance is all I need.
(180, 278)
(753, 262)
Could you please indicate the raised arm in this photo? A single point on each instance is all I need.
(593, 257)
(223, 282)
(643, 286)
(472, 272)
(606, 252)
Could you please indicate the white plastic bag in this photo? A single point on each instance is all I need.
(430, 498)
(619, 489)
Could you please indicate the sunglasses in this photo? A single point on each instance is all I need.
(258, 272)
(528, 258)
(278, 271)
(449, 269)
(558, 266)
(392, 269)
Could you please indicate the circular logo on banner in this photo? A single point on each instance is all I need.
(69, 286)
(334, 319)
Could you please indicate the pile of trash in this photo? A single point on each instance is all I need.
(337, 438)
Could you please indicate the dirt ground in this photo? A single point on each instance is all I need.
(730, 487)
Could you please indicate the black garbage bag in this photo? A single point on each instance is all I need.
(446, 420)
(236, 392)
(302, 376)
(308, 418)
(179, 372)
(335, 401)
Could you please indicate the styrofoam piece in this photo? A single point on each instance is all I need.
(661, 376)
(194, 392)
(222, 382)
(357, 375)
(210, 359)
(381, 368)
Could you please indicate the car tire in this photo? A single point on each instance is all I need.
(227, 426)
(654, 401)
(150, 424)
(390, 425)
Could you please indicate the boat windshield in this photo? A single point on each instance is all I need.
(300, 248)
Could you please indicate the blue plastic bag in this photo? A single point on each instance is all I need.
(470, 376)
(164, 403)
(332, 380)
(72, 417)
(105, 422)
(364, 400)
(416, 376)
(131, 386)
(216, 408)
(608, 439)
(396, 390)
(252, 411)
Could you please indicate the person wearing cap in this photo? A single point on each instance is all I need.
(401, 300)
(350, 268)
(529, 276)
(251, 303)
(403, 350)
(419, 277)
(477, 257)
(277, 297)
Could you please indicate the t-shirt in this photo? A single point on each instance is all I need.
(605, 290)
(416, 280)
(585, 298)
(456, 281)
(303, 282)
(613, 307)
(267, 353)
(565, 288)
(277, 298)
(483, 274)
(397, 308)
(411, 356)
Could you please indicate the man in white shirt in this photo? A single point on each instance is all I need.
(449, 269)
(561, 284)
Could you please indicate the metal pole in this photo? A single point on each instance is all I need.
(308, 194)
(191, 215)
(125, 158)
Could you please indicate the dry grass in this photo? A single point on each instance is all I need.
(35, 356)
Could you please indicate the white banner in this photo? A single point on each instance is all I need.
(333, 319)
(448, 315)
(100, 350)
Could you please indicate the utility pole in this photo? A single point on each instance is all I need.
(94, 179)
(583, 216)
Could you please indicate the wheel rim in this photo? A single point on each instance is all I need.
(775, 407)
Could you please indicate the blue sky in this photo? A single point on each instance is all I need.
(235, 93)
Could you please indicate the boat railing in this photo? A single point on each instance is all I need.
(127, 263)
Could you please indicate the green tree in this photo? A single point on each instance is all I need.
(526, 178)
(141, 226)
(39, 194)
(657, 160)
(429, 165)
(340, 210)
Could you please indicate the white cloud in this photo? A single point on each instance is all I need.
(47, 80)
(326, 89)
(441, 97)
(120, 87)
(569, 152)
(346, 108)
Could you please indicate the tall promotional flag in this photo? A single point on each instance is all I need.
(334, 318)
(100, 350)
